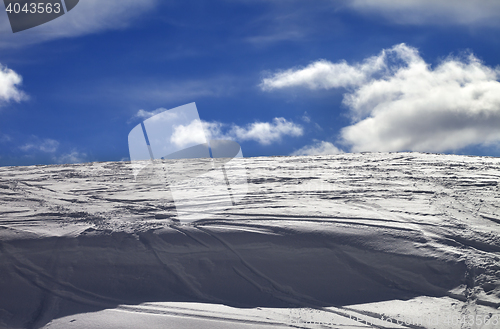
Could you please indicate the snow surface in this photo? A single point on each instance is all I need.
(352, 240)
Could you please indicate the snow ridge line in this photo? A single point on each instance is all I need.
(166, 311)
(284, 218)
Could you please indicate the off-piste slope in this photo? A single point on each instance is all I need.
(327, 233)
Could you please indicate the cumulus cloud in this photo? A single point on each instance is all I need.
(215, 130)
(89, 16)
(9, 83)
(264, 133)
(318, 148)
(267, 132)
(435, 12)
(46, 145)
(323, 74)
(408, 105)
(189, 134)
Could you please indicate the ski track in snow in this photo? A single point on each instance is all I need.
(351, 236)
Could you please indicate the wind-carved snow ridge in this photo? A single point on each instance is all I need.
(381, 240)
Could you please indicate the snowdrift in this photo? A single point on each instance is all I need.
(352, 236)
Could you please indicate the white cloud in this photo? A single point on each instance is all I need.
(407, 105)
(265, 132)
(455, 105)
(189, 134)
(9, 82)
(318, 148)
(198, 132)
(323, 74)
(89, 16)
(434, 12)
(46, 145)
(72, 157)
(215, 130)
(143, 114)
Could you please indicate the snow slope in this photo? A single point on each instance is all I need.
(351, 240)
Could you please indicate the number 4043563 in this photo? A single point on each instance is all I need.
(33, 8)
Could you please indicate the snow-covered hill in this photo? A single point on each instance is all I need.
(351, 240)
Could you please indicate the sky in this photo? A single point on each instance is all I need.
(280, 77)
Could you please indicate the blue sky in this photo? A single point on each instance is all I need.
(280, 77)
